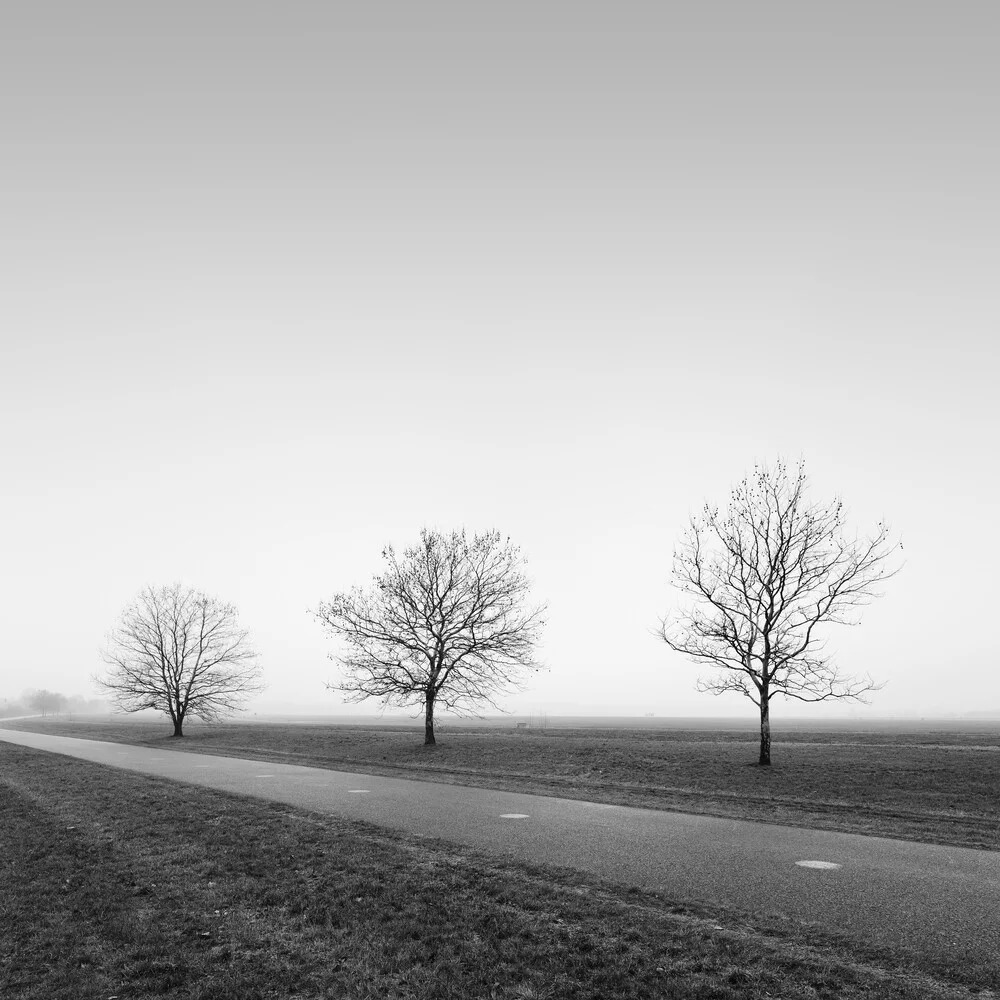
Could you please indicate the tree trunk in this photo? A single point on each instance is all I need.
(429, 720)
(765, 734)
(178, 724)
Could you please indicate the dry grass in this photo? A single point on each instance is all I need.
(938, 787)
(114, 884)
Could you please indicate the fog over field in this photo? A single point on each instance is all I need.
(969, 723)
(285, 284)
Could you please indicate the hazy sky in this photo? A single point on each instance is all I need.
(285, 282)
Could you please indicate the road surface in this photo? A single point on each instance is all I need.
(942, 900)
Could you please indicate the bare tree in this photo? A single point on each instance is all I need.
(181, 652)
(763, 577)
(444, 624)
(46, 701)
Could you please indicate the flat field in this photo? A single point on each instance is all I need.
(121, 885)
(939, 785)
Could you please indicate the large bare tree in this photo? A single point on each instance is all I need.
(763, 577)
(181, 652)
(445, 623)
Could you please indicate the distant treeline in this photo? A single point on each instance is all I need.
(43, 702)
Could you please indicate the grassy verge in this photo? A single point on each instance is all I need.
(935, 787)
(120, 885)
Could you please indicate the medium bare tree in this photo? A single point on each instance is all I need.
(444, 624)
(763, 577)
(46, 701)
(181, 652)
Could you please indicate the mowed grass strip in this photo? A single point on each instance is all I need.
(114, 884)
(936, 787)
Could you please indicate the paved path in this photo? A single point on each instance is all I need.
(943, 900)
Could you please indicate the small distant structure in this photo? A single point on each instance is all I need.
(520, 725)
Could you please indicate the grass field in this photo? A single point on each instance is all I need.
(934, 786)
(119, 885)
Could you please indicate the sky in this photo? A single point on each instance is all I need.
(286, 282)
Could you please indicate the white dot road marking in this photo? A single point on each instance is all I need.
(514, 816)
(357, 791)
(817, 864)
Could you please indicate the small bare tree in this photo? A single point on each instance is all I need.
(181, 652)
(763, 577)
(444, 624)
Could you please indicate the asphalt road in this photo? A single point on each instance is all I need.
(943, 900)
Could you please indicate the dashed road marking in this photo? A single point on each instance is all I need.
(514, 815)
(817, 864)
(358, 791)
(263, 775)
